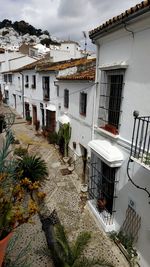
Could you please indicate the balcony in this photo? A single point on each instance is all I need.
(140, 147)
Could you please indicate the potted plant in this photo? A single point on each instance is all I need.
(101, 203)
(110, 128)
(29, 119)
(16, 204)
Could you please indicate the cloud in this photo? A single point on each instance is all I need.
(64, 18)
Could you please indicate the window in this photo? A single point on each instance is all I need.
(110, 100)
(5, 78)
(66, 98)
(83, 103)
(102, 182)
(33, 81)
(46, 89)
(26, 81)
(10, 78)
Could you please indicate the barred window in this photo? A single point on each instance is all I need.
(33, 81)
(83, 103)
(110, 99)
(66, 98)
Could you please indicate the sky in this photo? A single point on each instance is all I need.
(65, 19)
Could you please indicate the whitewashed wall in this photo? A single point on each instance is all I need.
(81, 125)
(134, 49)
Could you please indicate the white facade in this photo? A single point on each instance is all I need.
(81, 125)
(65, 51)
(128, 52)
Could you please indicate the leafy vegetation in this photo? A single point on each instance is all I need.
(22, 27)
(32, 167)
(65, 254)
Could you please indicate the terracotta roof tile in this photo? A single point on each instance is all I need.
(88, 74)
(123, 16)
(42, 65)
(65, 64)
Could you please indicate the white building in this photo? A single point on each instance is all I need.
(65, 50)
(11, 85)
(76, 106)
(40, 91)
(123, 59)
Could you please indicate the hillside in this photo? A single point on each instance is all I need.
(22, 27)
(14, 34)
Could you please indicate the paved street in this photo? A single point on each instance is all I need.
(63, 194)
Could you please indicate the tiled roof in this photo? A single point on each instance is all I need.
(29, 66)
(88, 74)
(137, 10)
(65, 64)
(42, 65)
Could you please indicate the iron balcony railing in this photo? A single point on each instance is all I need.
(140, 147)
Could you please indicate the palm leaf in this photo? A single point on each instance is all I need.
(62, 245)
(5, 151)
(80, 244)
(32, 167)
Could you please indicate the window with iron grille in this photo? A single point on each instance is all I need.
(83, 103)
(110, 100)
(66, 98)
(33, 81)
(46, 88)
(102, 182)
(26, 81)
(10, 78)
(5, 78)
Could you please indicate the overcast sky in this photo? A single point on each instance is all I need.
(64, 18)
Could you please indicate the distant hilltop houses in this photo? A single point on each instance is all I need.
(24, 38)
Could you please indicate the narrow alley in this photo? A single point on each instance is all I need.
(63, 195)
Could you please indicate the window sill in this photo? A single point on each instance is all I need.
(106, 133)
(83, 114)
(106, 227)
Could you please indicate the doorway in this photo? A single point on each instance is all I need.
(34, 112)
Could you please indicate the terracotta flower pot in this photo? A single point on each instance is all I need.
(3, 247)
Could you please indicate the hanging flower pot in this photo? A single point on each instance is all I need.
(3, 246)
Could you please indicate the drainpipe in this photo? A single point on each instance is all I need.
(95, 94)
(22, 94)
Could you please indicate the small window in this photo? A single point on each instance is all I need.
(10, 78)
(33, 81)
(26, 81)
(46, 88)
(66, 98)
(83, 103)
(5, 78)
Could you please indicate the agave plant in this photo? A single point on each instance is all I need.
(65, 254)
(32, 167)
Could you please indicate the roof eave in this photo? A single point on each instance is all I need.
(116, 25)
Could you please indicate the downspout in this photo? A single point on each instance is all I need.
(22, 94)
(95, 91)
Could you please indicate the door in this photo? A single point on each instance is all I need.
(34, 109)
(51, 120)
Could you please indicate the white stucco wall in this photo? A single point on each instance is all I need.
(81, 125)
(134, 49)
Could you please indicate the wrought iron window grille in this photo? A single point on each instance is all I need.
(111, 100)
(102, 185)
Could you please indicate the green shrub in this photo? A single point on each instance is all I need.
(20, 151)
(52, 138)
